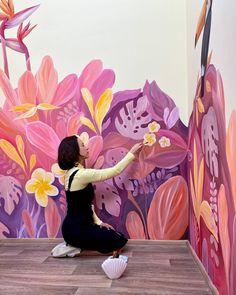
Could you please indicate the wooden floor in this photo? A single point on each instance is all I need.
(154, 267)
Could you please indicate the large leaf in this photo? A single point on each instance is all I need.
(167, 157)
(52, 219)
(168, 214)
(134, 226)
(43, 137)
(109, 196)
(133, 118)
(223, 230)
(10, 191)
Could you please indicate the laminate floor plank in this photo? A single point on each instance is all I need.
(154, 267)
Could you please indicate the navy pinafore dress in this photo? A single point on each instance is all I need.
(79, 229)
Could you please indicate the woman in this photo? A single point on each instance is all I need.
(81, 228)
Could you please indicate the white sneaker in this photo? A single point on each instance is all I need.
(64, 250)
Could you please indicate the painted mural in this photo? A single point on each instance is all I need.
(212, 171)
(149, 200)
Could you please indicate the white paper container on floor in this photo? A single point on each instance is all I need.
(114, 267)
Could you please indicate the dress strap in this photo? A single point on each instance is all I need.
(71, 178)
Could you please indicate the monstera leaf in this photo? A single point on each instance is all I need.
(133, 119)
(109, 196)
(10, 191)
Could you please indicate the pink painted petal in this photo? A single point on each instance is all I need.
(166, 114)
(173, 117)
(8, 128)
(52, 219)
(47, 80)
(7, 89)
(95, 146)
(104, 81)
(27, 88)
(90, 73)
(20, 17)
(61, 129)
(43, 137)
(27, 219)
(65, 90)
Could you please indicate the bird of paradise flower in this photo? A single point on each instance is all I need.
(10, 19)
(201, 208)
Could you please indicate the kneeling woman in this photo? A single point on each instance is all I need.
(79, 227)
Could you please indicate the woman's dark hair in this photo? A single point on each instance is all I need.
(68, 152)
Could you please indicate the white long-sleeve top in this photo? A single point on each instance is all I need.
(85, 176)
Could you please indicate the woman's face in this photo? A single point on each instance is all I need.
(83, 149)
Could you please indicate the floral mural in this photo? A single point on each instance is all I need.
(212, 171)
(148, 200)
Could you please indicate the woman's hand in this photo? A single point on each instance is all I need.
(136, 148)
(106, 225)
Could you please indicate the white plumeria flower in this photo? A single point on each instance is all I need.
(59, 173)
(149, 139)
(153, 126)
(164, 142)
(41, 185)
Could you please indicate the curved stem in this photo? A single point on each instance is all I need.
(4, 53)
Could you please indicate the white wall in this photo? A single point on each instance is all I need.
(222, 42)
(138, 39)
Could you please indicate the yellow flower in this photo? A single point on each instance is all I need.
(164, 142)
(41, 185)
(149, 139)
(59, 173)
(153, 126)
(200, 105)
